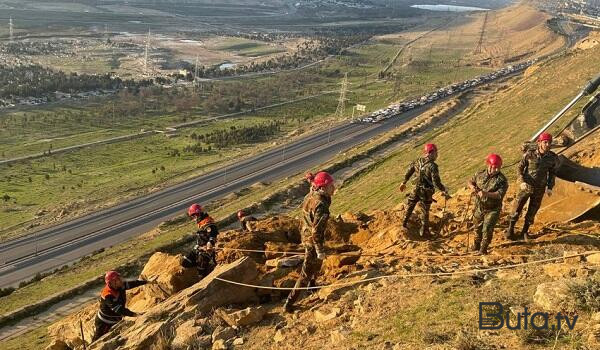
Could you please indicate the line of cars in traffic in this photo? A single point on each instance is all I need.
(397, 108)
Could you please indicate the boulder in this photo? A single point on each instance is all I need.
(278, 229)
(245, 317)
(341, 259)
(593, 259)
(219, 345)
(223, 333)
(553, 297)
(186, 335)
(57, 345)
(169, 277)
(67, 330)
(321, 316)
(238, 341)
(199, 298)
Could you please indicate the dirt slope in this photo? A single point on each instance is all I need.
(429, 298)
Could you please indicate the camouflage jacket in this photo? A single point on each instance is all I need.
(496, 183)
(537, 169)
(315, 213)
(427, 174)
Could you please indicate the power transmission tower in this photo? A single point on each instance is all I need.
(339, 112)
(481, 34)
(10, 29)
(196, 73)
(146, 54)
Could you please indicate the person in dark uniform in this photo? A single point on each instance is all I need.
(427, 179)
(202, 256)
(112, 303)
(245, 220)
(536, 175)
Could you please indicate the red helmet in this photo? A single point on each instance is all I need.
(111, 276)
(494, 160)
(322, 179)
(430, 148)
(195, 209)
(241, 214)
(545, 137)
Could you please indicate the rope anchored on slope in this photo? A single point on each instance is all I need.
(416, 275)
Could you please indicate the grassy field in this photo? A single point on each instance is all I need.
(498, 124)
(245, 47)
(64, 186)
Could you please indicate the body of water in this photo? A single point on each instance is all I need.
(449, 8)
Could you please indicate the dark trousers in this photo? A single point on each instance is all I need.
(308, 274)
(535, 201)
(101, 328)
(425, 198)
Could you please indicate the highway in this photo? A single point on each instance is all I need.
(47, 249)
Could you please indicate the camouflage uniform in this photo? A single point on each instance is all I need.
(315, 213)
(538, 171)
(426, 180)
(487, 210)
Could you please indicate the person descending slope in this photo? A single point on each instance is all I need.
(537, 175)
(245, 220)
(315, 214)
(112, 303)
(427, 178)
(202, 256)
(489, 185)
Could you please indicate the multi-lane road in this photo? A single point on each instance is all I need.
(50, 248)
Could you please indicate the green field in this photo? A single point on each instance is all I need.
(66, 185)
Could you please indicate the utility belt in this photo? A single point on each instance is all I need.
(107, 319)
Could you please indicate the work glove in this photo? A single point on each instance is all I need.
(548, 192)
(320, 253)
(402, 187)
(209, 245)
(526, 187)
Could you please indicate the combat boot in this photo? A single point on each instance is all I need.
(288, 306)
(424, 232)
(510, 233)
(525, 232)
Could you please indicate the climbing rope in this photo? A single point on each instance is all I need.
(433, 274)
(367, 255)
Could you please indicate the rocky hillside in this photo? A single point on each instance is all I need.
(381, 286)
(429, 299)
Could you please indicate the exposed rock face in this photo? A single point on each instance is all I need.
(245, 317)
(157, 323)
(186, 335)
(169, 277)
(68, 332)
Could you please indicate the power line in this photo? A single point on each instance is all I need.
(146, 54)
(10, 29)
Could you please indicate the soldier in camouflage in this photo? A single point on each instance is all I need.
(536, 175)
(490, 186)
(315, 214)
(426, 180)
